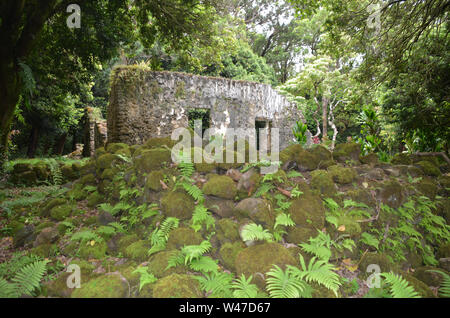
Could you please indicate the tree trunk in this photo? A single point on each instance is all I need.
(325, 102)
(59, 145)
(10, 86)
(32, 145)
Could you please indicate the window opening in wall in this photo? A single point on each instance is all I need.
(199, 114)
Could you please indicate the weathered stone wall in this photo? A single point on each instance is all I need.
(145, 104)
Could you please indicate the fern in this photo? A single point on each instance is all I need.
(285, 284)
(191, 252)
(195, 192)
(264, 188)
(319, 246)
(444, 289)
(319, 271)
(25, 281)
(255, 232)
(399, 287)
(204, 264)
(294, 174)
(55, 172)
(243, 288)
(370, 240)
(160, 235)
(281, 221)
(217, 284)
(202, 216)
(85, 236)
(145, 276)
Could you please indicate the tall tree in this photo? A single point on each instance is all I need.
(105, 25)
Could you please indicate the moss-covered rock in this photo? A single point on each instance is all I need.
(256, 209)
(322, 182)
(220, 186)
(177, 286)
(290, 153)
(370, 159)
(153, 180)
(430, 278)
(221, 207)
(228, 253)
(160, 142)
(113, 147)
(178, 204)
(401, 159)
(227, 231)
(94, 199)
(127, 240)
(260, 259)
(68, 173)
(307, 161)
(342, 175)
(429, 168)
(46, 250)
(152, 159)
(158, 265)
(137, 251)
(346, 152)
(379, 259)
(297, 235)
(108, 174)
(88, 179)
(182, 236)
(60, 212)
(46, 235)
(308, 211)
(45, 210)
(419, 286)
(106, 160)
(96, 251)
(111, 285)
(391, 193)
(428, 188)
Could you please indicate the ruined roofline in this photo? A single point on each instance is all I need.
(136, 67)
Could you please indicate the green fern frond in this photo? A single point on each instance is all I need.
(195, 192)
(444, 289)
(243, 288)
(255, 232)
(218, 284)
(263, 189)
(195, 251)
(204, 264)
(160, 235)
(294, 174)
(283, 284)
(202, 216)
(28, 278)
(399, 287)
(284, 220)
(85, 236)
(319, 271)
(6, 289)
(145, 276)
(369, 239)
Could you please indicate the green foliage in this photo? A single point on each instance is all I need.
(370, 240)
(243, 288)
(299, 130)
(322, 245)
(399, 287)
(192, 256)
(218, 284)
(281, 221)
(263, 189)
(145, 276)
(255, 232)
(294, 174)
(25, 281)
(202, 216)
(286, 284)
(86, 236)
(160, 235)
(444, 289)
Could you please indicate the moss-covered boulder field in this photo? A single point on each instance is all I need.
(129, 222)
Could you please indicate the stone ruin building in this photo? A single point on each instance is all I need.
(146, 104)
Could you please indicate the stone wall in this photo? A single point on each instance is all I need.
(146, 104)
